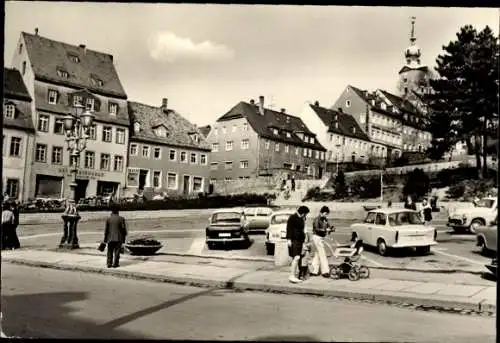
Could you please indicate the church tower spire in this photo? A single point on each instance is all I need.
(412, 53)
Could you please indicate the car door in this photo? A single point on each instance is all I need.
(380, 227)
(365, 230)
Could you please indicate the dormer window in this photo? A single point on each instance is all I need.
(383, 106)
(372, 102)
(74, 58)
(113, 108)
(9, 111)
(312, 140)
(96, 82)
(288, 135)
(275, 132)
(137, 127)
(62, 73)
(161, 131)
(77, 100)
(89, 104)
(195, 137)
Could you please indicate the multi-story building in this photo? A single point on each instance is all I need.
(58, 76)
(167, 154)
(341, 135)
(17, 135)
(205, 130)
(251, 140)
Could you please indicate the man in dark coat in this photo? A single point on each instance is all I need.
(296, 235)
(114, 236)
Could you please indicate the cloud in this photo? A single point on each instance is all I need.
(167, 46)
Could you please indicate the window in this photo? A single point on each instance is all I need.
(12, 188)
(92, 132)
(245, 126)
(15, 147)
(297, 151)
(316, 154)
(89, 160)
(203, 159)
(243, 164)
(112, 108)
(172, 155)
(57, 155)
(77, 100)
(183, 157)
(74, 58)
(214, 165)
(89, 104)
(234, 128)
(161, 131)
(120, 136)
(24, 67)
(157, 153)
(228, 165)
(287, 148)
(41, 153)
(105, 161)
(62, 73)
(267, 144)
(229, 145)
(288, 135)
(9, 111)
(370, 218)
(96, 82)
(194, 158)
(172, 181)
(275, 132)
(107, 134)
(277, 147)
(156, 179)
(380, 219)
(197, 184)
(224, 130)
(145, 151)
(215, 147)
(348, 103)
(43, 123)
(59, 126)
(305, 152)
(20, 48)
(118, 163)
(245, 144)
(133, 149)
(227, 178)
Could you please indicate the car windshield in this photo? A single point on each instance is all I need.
(226, 217)
(488, 203)
(404, 218)
(281, 218)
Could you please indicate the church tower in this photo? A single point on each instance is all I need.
(414, 76)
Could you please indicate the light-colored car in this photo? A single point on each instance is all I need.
(487, 236)
(258, 218)
(391, 228)
(276, 232)
(227, 226)
(471, 217)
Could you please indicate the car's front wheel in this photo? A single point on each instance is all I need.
(381, 247)
(482, 245)
(424, 250)
(476, 223)
(211, 245)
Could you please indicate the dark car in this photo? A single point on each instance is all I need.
(227, 227)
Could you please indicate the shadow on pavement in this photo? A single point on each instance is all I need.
(489, 277)
(288, 338)
(48, 315)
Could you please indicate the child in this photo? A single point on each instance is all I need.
(305, 258)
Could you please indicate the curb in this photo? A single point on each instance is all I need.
(433, 301)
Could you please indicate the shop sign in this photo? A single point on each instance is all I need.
(92, 174)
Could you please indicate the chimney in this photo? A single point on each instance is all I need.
(36, 31)
(83, 47)
(164, 104)
(252, 102)
(261, 104)
(340, 109)
(283, 110)
(316, 103)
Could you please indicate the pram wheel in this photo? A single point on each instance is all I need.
(335, 272)
(364, 272)
(353, 274)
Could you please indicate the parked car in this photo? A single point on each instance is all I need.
(470, 218)
(227, 226)
(391, 228)
(276, 231)
(258, 218)
(486, 237)
(492, 267)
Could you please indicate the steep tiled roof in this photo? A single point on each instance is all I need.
(178, 128)
(205, 130)
(47, 56)
(347, 125)
(368, 96)
(264, 124)
(14, 89)
(399, 102)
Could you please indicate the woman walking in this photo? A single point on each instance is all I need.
(409, 204)
(321, 227)
(426, 211)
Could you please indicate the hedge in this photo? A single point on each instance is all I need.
(215, 201)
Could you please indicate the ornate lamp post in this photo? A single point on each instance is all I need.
(76, 127)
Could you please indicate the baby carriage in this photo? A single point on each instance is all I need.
(350, 267)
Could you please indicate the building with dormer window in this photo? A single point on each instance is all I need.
(18, 136)
(58, 76)
(251, 141)
(167, 154)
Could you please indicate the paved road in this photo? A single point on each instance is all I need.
(46, 303)
(186, 234)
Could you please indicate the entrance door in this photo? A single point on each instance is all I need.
(320, 172)
(143, 174)
(81, 189)
(185, 187)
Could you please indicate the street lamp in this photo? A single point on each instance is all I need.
(76, 127)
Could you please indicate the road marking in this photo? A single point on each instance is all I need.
(441, 252)
(373, 261)
(197, 246)
(102, 232)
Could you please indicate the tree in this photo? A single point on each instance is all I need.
(464, 98)
(340, 186)
(417, 183)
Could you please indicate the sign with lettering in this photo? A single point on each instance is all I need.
(90, 173)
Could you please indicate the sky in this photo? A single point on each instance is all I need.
(207, 58)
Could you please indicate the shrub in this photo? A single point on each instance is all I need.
(365, 188)
(312, 193)
(417, 183)
(456, 191)
(340, 186)
(144, 240)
